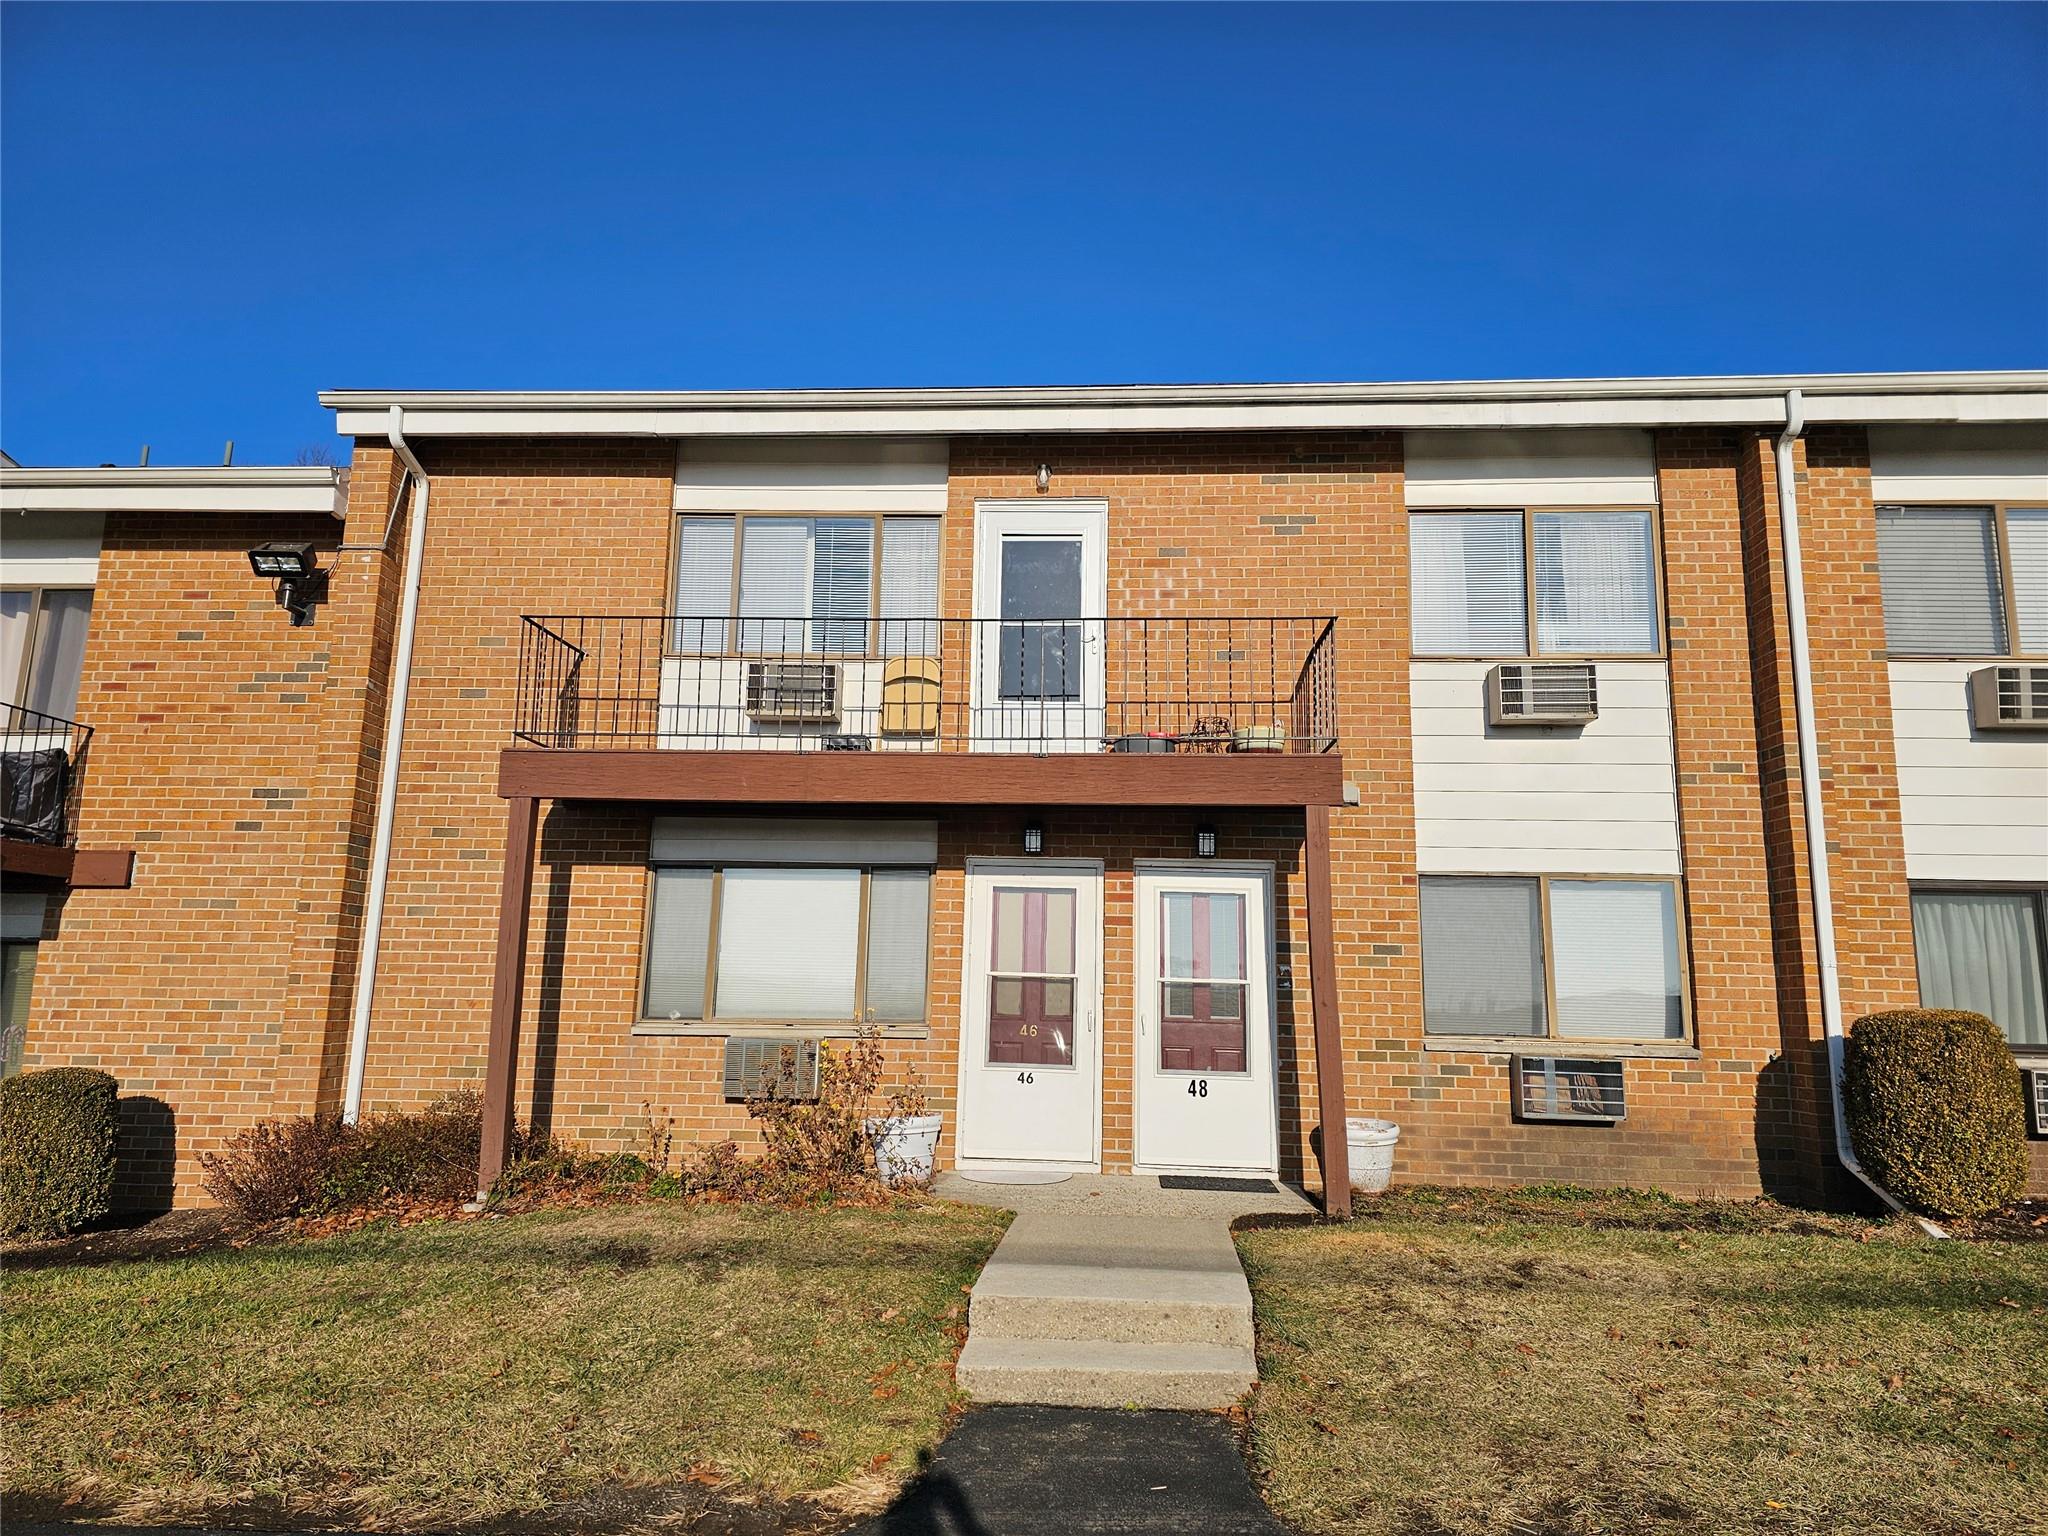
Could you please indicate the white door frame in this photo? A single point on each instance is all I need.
(1087, 517)
(1141, 981)
(974, 1002)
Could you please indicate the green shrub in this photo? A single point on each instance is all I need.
(1935, 1110)
(57, 1137)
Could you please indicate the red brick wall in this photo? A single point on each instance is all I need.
(209, 714)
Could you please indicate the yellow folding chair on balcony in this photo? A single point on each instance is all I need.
(910, 696)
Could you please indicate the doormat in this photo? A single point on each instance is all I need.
(1213, 1181)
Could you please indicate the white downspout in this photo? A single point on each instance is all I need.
(387, 787)
(1810, 797)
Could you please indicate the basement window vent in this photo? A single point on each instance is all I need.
(1542, 693)
(2010, 698)
(2037, 1099)
(756, 1065)
(793, 690)
(1568, 1088)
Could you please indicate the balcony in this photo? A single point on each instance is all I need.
(42, 771)
(900, 710)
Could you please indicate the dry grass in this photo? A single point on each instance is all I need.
(459, 1373)
(1556, 1363)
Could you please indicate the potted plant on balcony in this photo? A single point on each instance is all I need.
(906, 1139)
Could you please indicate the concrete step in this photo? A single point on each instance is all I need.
(1124, 1282)
(1092, 1373)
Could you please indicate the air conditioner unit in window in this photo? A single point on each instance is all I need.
(2037, 1099)
(1566, 1088)
(757, 1066)
(793, 690)
(1542, 693)
(2010, 698)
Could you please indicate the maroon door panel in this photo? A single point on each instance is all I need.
(1202, 985)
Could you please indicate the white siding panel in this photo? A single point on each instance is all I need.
(1974, 806)
(50, 549)
(1586, 467)
(1958, 463)
(1601, 800)
(811, 474)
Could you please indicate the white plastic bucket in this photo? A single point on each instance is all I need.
(1371, 1144)
(905, 1148)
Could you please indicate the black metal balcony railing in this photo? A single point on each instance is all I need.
(42, 765)
(928, 685)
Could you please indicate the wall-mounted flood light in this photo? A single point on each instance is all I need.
(1205, 842)
(300, 581)
(1034, 836)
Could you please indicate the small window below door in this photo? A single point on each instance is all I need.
(1031, 978)
(1202, 982)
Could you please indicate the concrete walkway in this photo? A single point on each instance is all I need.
(1022, 1471)
(1109, 1292)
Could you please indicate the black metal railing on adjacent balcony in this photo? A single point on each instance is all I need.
(1238, 684)
(42, 765)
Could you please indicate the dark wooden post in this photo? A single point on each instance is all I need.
(1322, 970)
(508, 988)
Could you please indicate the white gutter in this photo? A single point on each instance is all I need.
(387, 788)
(1810, 799)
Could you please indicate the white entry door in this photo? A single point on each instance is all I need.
(1030, 1049)
(1206, 1095)
(1040, 594)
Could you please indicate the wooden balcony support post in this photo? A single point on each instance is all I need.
(1322, 969)
(508, 988)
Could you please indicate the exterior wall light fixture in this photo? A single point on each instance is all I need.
(1205, 842)
(1044, 478)
(300, 581)
(1034, 836)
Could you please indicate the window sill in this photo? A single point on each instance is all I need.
(1536, 1045)
(1548, 656)
(656, 1028)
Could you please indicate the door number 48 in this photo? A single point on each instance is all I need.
(1198, 1088)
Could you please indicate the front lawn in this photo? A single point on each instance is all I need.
(1458, 1362)
(468, 1372)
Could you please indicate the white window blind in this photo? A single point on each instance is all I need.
(899, 920)
(17, 617)
(788, 943)
(1981, 950)
(910, 586)
(678, 944)
(1482, 957)
(842, 583)
(703, 582)
(775, 567)
(1466, 591)
(1596, 588)
(1614, 960)
(2026, 530)
(1938, 567)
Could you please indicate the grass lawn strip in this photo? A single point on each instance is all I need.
(458, 1373)
(1509, 1368)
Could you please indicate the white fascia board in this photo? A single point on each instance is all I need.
(260, 489)
(1755, 401)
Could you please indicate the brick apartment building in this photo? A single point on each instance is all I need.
(1163, 772)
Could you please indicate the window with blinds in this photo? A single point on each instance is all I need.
(2026, 534)
(1986, 951)
(787, 944)
(1939, 571)
(771, 585)
(1591, 575)
(42, 647)
(1514, 957)
(1468, 592)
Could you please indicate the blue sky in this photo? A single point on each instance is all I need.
(206, 214)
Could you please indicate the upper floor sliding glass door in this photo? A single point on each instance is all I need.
(1041, 592)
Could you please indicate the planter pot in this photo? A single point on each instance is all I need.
(1371, 1143)
(904, 1149)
